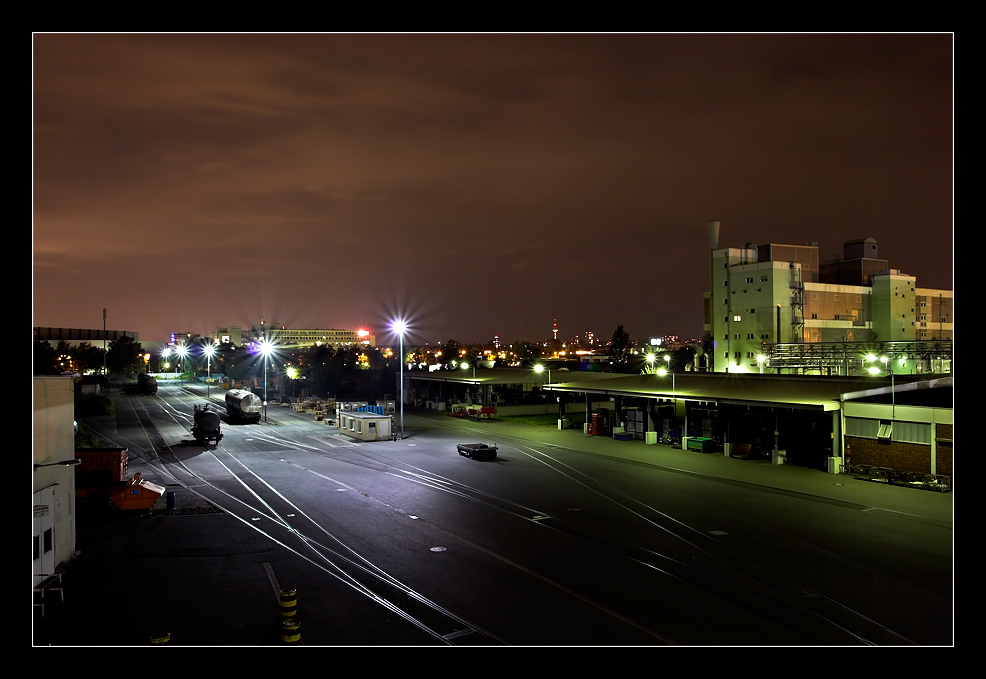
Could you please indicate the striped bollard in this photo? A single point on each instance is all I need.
(289, 603)
(291, 632)
(159, 639)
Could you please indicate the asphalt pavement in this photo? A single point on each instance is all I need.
(168, 576)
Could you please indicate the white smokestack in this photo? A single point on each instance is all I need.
(714, 235)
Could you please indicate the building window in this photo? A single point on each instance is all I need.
(737, 354)
(737, 318)
(749, 279)
(749, 336)
(726, 337)
(763, 279)
(725, 283)
(736, 336)
(725, 354)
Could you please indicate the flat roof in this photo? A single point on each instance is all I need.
(792, 391)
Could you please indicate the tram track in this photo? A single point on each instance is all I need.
(287, 525)
(745, 582)
(745, 585)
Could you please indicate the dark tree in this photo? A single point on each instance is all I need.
(45, 358)
(526, 350)
(619, 348)
(125, 357)
(450, 352)
(87, 357)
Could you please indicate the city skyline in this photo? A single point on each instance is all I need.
(475, 185)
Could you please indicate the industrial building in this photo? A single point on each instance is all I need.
(774, 308)
(73, 337)
(288, 338)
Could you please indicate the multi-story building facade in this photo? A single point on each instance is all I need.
(772, 305)
(306, 337)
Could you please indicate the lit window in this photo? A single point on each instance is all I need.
(737, 318)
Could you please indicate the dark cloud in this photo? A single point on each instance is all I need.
(488, 183)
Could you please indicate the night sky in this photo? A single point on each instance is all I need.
(479, 185)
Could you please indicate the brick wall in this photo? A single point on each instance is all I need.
(910, 457)
(943, 449)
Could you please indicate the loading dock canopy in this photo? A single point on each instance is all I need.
(810, 392)
(805, 392)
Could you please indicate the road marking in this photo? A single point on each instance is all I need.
(273, 580)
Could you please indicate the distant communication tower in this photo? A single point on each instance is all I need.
(554, 329)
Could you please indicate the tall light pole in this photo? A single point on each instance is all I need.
(893, 396)
(664, 371)
(265, 349)
(209, 350)
(182, 352)
(540, 369)
(399, 327)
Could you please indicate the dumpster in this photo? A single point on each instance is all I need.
(138, 494)
(701, 444)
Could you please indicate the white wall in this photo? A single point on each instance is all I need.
(54, 440)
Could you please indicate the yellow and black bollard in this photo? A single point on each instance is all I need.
(163, 638)
(291, 632)
(289, 603)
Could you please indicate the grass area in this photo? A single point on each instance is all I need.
(545, 420)
(87, 438)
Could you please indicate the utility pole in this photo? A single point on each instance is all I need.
(104, 342)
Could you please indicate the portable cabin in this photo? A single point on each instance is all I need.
(366, 426)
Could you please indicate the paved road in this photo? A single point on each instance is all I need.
(564, 540)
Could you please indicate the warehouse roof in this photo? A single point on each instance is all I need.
(797, 391)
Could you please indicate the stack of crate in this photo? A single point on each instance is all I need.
(636, 423)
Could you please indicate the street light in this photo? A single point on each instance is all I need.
(540, 369)
(399, 326)
(664, 372)
(65, 463)
(209, 351)
(182, 352)
(873, 370)
(265, 349)
(760, 359)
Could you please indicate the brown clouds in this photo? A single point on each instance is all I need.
(555, 170)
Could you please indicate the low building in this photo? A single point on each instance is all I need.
(54, 475)
(366, 426)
